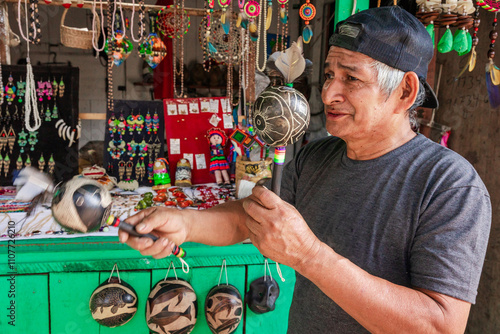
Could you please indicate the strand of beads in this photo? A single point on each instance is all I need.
(493, 36)
(110, 59)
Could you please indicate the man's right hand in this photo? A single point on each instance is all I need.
(166, 223)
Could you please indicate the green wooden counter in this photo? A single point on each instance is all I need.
(49, 283)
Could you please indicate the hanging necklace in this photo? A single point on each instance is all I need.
(31, 106)
(1, 83)
(264, 39)
(142, 21)
(111, 10)
(207, 60)
(96, 32)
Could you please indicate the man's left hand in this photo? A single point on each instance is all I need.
(278, 230)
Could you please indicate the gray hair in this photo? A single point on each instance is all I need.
(389, 79)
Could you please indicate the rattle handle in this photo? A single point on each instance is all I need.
(279, 160)
(130, 229)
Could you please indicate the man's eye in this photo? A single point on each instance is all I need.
(351, 78)
(328, 76)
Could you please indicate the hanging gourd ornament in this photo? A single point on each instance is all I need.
(113, 303)
(307, 13)
(252, 10)
(223, 309)
(172, 307)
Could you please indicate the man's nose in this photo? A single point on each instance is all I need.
(333, 91)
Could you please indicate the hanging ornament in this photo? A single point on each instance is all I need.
(171, 296)
(11, 139)
(307, 13)
(114, 302)
(51, 164)
(19, 162)
(27, 163)
(263, 292)
(152, 50)
(21, 141)
(10, 90)
(21, 90)
(41, 163)
(118, 46)
(492, 71)
(3, 139)
(221, 47)
(224, 4)
(6, 165)
(170, 25)
(475, 41)
(252, 10)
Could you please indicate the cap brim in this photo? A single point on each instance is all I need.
(431, 100)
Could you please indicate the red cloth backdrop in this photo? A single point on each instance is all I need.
(186, 124)
(162, 74)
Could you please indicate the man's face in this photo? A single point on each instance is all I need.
(355, 106)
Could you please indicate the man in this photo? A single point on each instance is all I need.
(386, 229)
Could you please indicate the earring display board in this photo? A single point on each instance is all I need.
(186, 124)
(53, 147)
(134, 138)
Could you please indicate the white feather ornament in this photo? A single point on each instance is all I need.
(291, 62)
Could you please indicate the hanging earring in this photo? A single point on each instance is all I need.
(121, 169)
(51, 165)
(131, 148)
(1, 163)
(143, 170)
(112, 124)
(32, 139)
(48, 90)
(21, 141)
(27, 163)
(131, 122)
(40, 90)
(143, 149)
(139, 123)
(156, 122)
(122, 125)
(55, 87)
(55, 112)
(10, 90)
(41, 163)
(6, 165)
(48, 114)
(21, 90)
(7, 119)
(138, 171)
(11, 139)
(61, 87)
(3, 139)
(149, 123)
(19, 162)
(157, 147)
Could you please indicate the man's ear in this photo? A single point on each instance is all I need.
(408, 89)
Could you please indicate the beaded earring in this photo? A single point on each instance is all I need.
(138, 171)
(128, 169)
(10, 90)
(55, 112)
(139, 123)
(51, 165)
(32, 139)
(22, 140)
(131, 125)
(121, 169)
(41, 163)
(112, 124)
(11, 139)
(61, 87)
(27, 163)
(40, 90)
(143, 149)
(6, 165)
(3, 139)
(48, 90)
(156, 122)
(15, 117)
(131, 148)
(1, 163)
(48, 114)
(143, 170)
(21, 90)
(55, 87)
(19, 162)
(149, 123)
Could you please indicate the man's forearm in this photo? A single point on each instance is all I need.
(218, 226)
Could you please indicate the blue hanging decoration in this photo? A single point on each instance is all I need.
(307, 13)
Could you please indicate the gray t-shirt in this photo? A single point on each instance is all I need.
(417, 216)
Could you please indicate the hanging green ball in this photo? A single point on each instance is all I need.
(446, 42)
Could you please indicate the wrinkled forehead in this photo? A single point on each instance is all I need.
(345, 55)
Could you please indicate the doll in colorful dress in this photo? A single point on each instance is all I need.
(218, 162)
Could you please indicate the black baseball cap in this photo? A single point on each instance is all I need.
(392, 36)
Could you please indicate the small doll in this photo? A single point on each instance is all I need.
(218, 162)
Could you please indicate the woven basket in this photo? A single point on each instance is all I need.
(78, 37)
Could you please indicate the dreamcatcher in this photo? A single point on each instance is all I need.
(220, 47)
(170, 24)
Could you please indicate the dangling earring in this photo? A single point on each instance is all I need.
(131, 122)
(41, 163)
(19, 162)
(48, 90)
(32, 139)
(156, 122)
(48, 115)
(27, 163)
(143, 170)
(52, 165)
(122, 125)
(11, 139)
(121, 169)
(54, 87)
(112, 125)
(21, 90)
(21, 141)
(138, 171)
(55, 112)
(61, 87)
(139, 123)
(15, 117)
(10, 90)
(6, 165)
(40, 90)
(128, 169)
(3, 139)
(149, 123)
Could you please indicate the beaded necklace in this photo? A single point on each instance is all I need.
(262, 33)
(110, 21)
